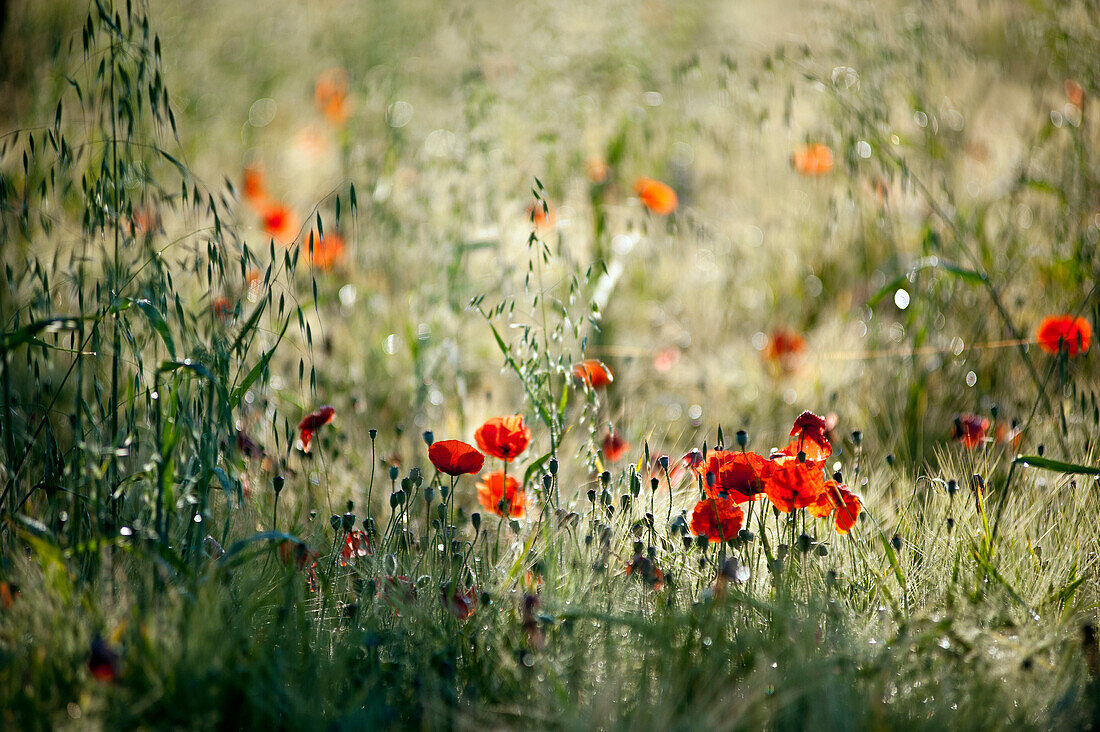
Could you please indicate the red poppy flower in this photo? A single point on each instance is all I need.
(455, 457)
(331, 92)
(1075, 93)
(324, 251)
(1008, 435)
(313, 422)
(356, 544)
(542, 218)
(1064, 333)
(792, 484)
(812, 432)
(103, 662)
(718, 519)
(614, 446)
(461, 604)
(597, 170)
(840, 503)
(280, 222)
(255, 188)
(296, 553)
(783, 345)
(594, 373)
(738, 476)
(666, 358)
(500, 496)
(222, 308)
(970, 430)
(657, 196)
(647, 571)
(398, 592)
(503, 437)
(813, 159)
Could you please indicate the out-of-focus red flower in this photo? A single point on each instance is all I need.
(502, 495)
(331, 92)
(356, 544)
(793, 484)
(837, 501)
(597, 170)
(222, 308)
(813, 159)
(7, 595)
(313, 422)
(666, 358)
(103, 661)
(1064, 333)
(738, 476)
(280, 222)
(784, 345)
(646, 570)
(970, 430)
(460, 603)
(255, 187)
(1008, 435)
(1075, 94)
(594, 373)
(455, 457)
(811, 431)
(718, 519)
(296, 553)
(247, 446)
(503, 437)
(614, 446)
(542, 218)
(398, 592)
(658, 197)
(324, 251)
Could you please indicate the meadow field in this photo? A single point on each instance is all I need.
(634, 364)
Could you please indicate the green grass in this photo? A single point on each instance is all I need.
(159, 349)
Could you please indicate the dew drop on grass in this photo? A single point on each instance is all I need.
(863, 149)
(901, 299)
(971, 378)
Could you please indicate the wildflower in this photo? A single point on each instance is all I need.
(461, 604)
(666, 358)
(398, 592)
(594, 373)
(103, 661)
(718, 519)
(455, 457)
(783, 346)
(247, 446)
(313, 422)
(646, 570)
(530, 624)
(503, 437)
(8, 593)
(255, 188)
(597, 171)
(280, 222)
(813, 159)
(296, 553)
(614, 446)
(543, 218)
(1075, 94)
(792, 483)
(324, 251)
(331, 93)
(738, 476)
(657, 196)
(356, 544)
(970, 430)
(1064, 333)
(501, 494)
(1008, 435)
(812, 432)
(837, 501)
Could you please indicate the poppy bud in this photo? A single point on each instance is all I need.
(781, 551)
(952, 487)
(441, 511)
(350, 506)
(592, 495)
(336, 521)
(393, 499)
(444, 491)
(547, 481)
(742, 439)
(950, 524)
(710, 479)
(638, 546)
(605, 477)
(745, 535)
(393, 472)
(370, 527)
(821, 550)
(502, 506)
(1041, 449)
(456, 547)
(857, 437)
(372, 433)
(896, 542)
(688, 541)
(553, 466)
(624, 502)
(588, 539)
(805, 541)
(653, 483)
(475, 520)
(610, 508)
(838, 477)
(830, 578)
(429, 438)
(416, 477)
(890, 460)
(801, 456)
(701, 542)
(635, 484)
(406, 484)
(605, 497)
(994, 410)
(429, 495)
(348, 521)
(649, 519)
(277, 483)
(663, 460)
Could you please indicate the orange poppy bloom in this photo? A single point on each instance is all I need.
(657, 196)
(356, 544)
(103, 662)
(222, 308)
(666, 358)
(812, 432)
(614, 446)
(738, 476)
(597, 170)
(813, 159)
(313, 422)
(502, 495)
(331, 92)
(1008, 435)
(280, 222)
(255, 188)
(783, 345)
(461, 604)
(455, 457)
(542, 218)
(837, 501)
(503, 437)
(647, 571)
(296, 553)
(594, 373)
(970, 430)
(1064, 333)
(718, 519)
(324, 251)
(1075, 93)
(791, 484)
